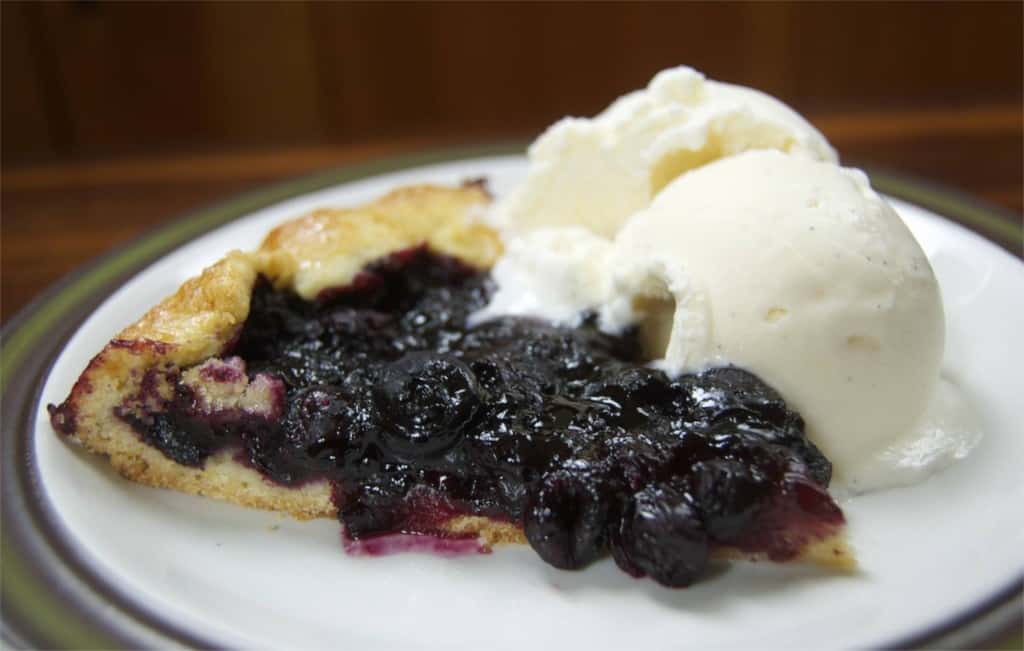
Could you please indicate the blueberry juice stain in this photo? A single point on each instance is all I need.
(416, 418)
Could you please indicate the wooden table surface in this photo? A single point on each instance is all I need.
(57, 217)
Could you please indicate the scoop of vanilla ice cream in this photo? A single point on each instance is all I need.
(597, 172)
(797, 271)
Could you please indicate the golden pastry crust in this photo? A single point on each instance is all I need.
(321, 250)
(328, 247)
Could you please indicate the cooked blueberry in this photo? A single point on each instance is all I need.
(186, 441)
(374, 506)
(427, 402)
(733, 394)
(565, 519)
(818, 466)
(729, 495)
(661, 535)
(635, 386)
(314, 415)
(688, 448)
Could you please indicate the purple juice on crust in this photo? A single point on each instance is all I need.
(397, 543)
(415, 418)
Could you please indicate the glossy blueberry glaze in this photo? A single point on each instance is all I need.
(416, 418)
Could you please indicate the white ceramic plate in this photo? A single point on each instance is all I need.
(243, 578)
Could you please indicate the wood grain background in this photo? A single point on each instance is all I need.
(121, 116)
(94, 78)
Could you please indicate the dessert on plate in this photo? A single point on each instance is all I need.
(657, 348)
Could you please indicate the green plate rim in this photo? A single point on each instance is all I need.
(47, 607)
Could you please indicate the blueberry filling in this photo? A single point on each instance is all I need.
(415, 418)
